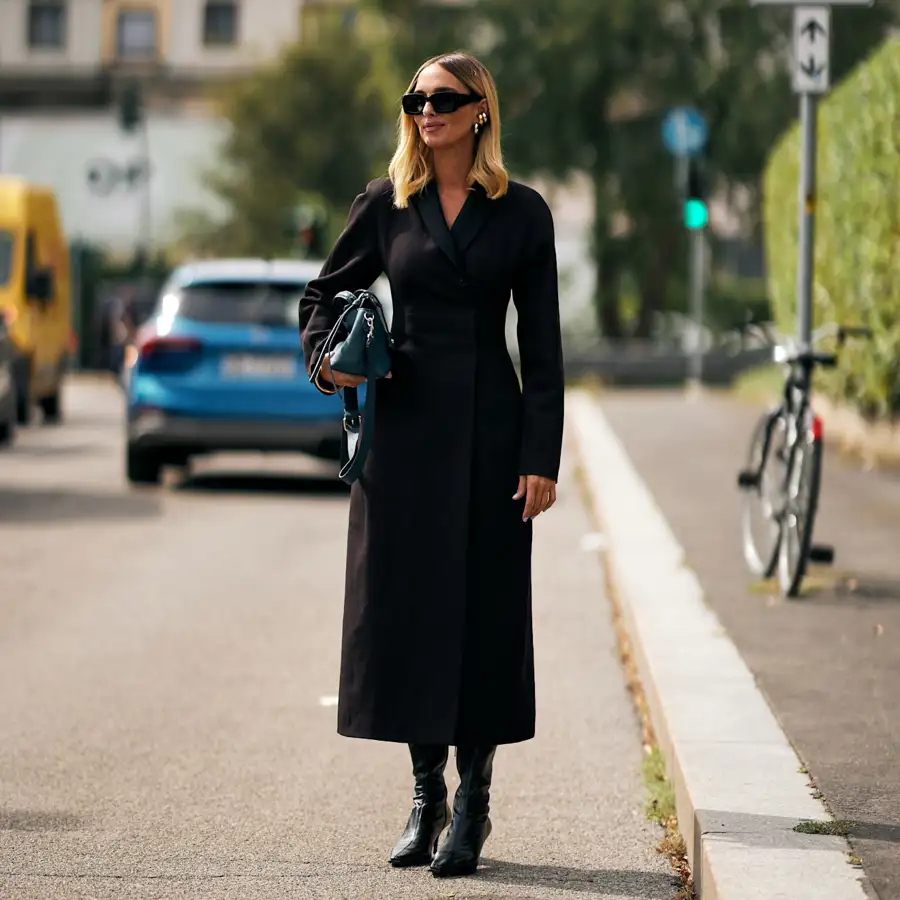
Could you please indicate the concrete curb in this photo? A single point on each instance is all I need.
(738, 786)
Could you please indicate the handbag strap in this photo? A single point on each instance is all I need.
(328, 346)
(358, 428)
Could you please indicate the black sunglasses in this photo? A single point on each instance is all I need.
(442, 102)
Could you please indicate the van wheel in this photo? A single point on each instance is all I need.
(51, 408)
(23, 403)
(142, 466)
(7, 431)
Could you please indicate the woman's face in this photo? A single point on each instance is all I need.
(440, 131)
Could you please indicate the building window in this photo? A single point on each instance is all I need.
(47, 24)
(220, 23)
(136, 34)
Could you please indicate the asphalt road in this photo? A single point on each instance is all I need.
(168, 660)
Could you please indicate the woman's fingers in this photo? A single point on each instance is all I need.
(520, 493)
(540, 495)
(341, 379)
(551, 497)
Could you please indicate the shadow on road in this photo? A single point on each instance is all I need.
(852, 589)
(28, 820)
(263, 483)
(41, 505)
(610, 882)
(65, 450)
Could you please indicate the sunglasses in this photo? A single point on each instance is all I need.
(442, 102)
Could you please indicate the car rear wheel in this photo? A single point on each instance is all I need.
(7, 430)
(23, 396)
(142, 466)
(51, 408)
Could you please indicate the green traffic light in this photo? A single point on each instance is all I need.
(696, 215)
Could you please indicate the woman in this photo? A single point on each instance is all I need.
(437, 642)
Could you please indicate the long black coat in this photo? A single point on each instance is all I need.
(437, 636)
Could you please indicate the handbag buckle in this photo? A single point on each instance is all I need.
(351, 420)
(370, 321)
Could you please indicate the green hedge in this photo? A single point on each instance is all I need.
(857, 258)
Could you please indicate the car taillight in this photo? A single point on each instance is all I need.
(167, 344)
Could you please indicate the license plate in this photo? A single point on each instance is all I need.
(245, 365)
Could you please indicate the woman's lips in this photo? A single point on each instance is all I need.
(432, 126)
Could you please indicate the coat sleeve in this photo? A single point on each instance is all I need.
(536, 297)
(353, 264)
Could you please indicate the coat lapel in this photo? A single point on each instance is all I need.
(428, 204)
(471, 217)
(466, 227)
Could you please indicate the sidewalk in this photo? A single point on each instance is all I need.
(828, 663)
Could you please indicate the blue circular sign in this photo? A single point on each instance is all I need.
(684, 131)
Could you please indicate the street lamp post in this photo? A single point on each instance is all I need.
(132, 118)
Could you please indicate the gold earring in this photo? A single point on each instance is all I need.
(482, 121)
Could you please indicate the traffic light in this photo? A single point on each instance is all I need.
(696, 212)
(306, 228)
(130, 107)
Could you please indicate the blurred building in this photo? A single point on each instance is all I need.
(64, 65)
(77, 53)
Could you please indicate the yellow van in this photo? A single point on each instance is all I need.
(34, 294)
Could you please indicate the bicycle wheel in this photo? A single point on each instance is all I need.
(804, 481)
(762, 482)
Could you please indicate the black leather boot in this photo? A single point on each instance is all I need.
(461, 848)
(430, 812)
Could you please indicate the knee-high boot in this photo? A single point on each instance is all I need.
(460, 850)
(430, 812)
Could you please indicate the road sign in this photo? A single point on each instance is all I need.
(812, 39)
(684, 131)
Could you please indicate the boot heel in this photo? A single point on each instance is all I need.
(460, 852)
(418, 843)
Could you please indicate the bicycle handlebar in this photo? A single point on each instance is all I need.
(790, 350)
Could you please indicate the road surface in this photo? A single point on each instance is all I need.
(168, 665)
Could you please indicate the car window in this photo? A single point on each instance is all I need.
(7, 243)
(240, 302)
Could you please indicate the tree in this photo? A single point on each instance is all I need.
(316, 125)
(585, 84)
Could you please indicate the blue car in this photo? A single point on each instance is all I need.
(218, 367)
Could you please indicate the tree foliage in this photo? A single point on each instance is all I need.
(585, 86)
(316, 124)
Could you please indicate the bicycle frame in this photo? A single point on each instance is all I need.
(792, 409)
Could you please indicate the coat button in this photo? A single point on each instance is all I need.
(462, 282)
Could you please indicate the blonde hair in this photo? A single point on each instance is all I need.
(410, 169)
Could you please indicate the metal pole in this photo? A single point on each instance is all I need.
(75, 276)
(146, 238)
(695, 371)
(807, 211)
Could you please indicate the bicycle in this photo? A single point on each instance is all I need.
(782, 478)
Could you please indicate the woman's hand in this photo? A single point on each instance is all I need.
(327, 375)
(539, 494)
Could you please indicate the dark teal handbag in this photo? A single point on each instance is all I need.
(359, 343)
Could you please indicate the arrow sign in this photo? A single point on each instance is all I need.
(812, 28)
(812, 69)
(812, 41)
